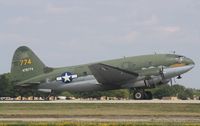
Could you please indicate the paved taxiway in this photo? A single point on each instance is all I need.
(111, 101)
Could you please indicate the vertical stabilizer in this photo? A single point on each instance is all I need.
(25, 64)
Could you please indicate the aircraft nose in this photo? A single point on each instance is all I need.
(189, 61)
(176, 71)
(192, 62)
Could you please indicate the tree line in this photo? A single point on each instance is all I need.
(7, 89)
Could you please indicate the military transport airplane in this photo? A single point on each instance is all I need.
(137, 73)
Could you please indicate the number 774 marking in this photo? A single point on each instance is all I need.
(25, 62)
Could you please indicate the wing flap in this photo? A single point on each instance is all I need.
(106, 74)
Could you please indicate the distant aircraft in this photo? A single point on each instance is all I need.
(137, 73)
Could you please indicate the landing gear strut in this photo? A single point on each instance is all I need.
(47, 97)
(142, 95)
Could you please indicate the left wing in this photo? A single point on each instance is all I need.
(106, 74)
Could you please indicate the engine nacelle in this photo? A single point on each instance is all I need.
(149, 83)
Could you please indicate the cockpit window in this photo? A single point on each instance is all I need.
(180, 58)
(175, 56)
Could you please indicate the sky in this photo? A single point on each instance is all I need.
(72, 32)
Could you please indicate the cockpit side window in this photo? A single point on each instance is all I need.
(180, 58)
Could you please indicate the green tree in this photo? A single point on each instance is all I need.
(6, 87)
(177, 89)
(162, 91)
(122, 93)
(66, 93)
(187, 93)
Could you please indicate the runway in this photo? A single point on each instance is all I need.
(112, 101)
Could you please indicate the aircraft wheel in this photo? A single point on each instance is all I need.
(148, 95)
(138, 95)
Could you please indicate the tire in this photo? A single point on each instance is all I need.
(139, 95)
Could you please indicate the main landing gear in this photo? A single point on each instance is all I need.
(142, 95)
(51, 96)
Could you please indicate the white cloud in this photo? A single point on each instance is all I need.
(153, 20)
(19, 20)
(131, 36)
(20, 2)
(24, 20)
(55, 9)
(10, 36)
(170, 29)
(127, 38)
(63, 9)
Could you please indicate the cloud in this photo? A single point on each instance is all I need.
(63, 9)
(25, 20)
(20, 2)
(55, 9)
(127, 38)
(131, 36)
(19, 20)
(150, 21)
(171, 29)
(9, 36)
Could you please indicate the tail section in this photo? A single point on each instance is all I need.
(25, 64)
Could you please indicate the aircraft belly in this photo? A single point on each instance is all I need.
(86, 83)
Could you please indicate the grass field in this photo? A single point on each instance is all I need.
(65, 110)
(74, 109)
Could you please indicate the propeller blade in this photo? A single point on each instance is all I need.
(161, 72)
(174, 80)
(171, 82)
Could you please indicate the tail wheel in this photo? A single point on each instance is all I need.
(139, 95)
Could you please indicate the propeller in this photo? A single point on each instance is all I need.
(163, 77)
(174, 80)
(171, 82)
(162, 72)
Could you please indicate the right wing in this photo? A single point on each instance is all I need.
(106, 74)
